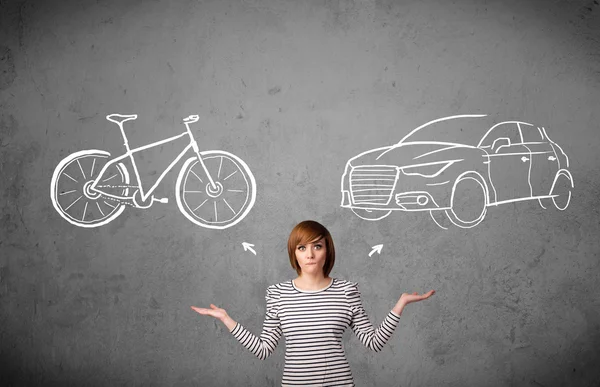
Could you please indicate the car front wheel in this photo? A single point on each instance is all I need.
(371, 214)
(468, 203)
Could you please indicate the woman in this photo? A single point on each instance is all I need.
(312, 312)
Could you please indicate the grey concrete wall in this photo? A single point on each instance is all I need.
(295, 89)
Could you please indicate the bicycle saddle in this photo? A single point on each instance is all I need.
(191, 119)
(120, 118)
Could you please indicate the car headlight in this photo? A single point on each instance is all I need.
(428, 169)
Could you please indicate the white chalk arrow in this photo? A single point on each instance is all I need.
(248, 246)
(376, 248)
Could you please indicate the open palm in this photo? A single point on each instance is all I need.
(408, 298)
(214, 311)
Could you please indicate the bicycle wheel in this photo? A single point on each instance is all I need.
(70, 193)
(216, 208)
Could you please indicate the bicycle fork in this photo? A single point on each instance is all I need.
(213, 188)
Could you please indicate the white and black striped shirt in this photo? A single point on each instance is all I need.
(313, 323)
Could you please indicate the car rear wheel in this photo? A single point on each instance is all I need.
(560, 195)
(371, 214)
(468, 204)
(561, 190)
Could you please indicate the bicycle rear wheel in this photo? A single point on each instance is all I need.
(220, 207)
(70, 188)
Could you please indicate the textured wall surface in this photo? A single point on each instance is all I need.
(295, 89)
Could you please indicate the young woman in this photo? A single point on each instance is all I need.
(312, 312)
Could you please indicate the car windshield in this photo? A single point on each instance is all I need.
(456, 129)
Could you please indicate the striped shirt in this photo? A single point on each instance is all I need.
(313, 323)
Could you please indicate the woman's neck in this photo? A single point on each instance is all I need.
(308, 282)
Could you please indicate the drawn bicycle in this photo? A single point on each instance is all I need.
(215, 189)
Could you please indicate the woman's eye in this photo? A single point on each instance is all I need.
(318, 247)
(301, 248)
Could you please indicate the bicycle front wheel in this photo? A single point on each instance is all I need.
(222, 205)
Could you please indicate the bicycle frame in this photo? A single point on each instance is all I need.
(145, 195)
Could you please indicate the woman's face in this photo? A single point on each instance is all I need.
(311, 256)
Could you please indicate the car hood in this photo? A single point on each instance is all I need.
(402, 155)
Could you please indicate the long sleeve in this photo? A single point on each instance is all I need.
(373, 339)
(263, 346)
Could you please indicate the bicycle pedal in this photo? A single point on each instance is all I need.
(163, 200)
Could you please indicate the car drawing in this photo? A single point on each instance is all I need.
(428, 170)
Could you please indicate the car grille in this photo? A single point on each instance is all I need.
(373, 184)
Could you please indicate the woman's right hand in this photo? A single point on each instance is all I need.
(218, 313)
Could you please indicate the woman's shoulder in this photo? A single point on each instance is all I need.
(344, 284)
(278, 287)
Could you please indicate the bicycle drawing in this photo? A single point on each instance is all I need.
(214, 189)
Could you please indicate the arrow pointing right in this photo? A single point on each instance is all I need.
(376, 248)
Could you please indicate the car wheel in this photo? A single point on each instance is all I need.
(561, 190)
(440, 219)
(545, 202)
(468, 203)
(371, 214)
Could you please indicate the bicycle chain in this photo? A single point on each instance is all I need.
(118, 201)
(119, 186)
(116, 186)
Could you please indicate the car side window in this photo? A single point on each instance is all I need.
(531, 133)
(509, 131)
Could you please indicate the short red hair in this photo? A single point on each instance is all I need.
(306, 232)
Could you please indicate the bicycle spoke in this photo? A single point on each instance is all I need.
(93, 165)
(110, 178)
(220, 165)
(99, 209)
(216, 217)
(234, 172)
(205, 200)
(64, 173)
(235, 190)
(232, 210)
(83, 173)
(193, 191)
(108, 204)
(84, 210)
(76, 200)
(197, 176)
(68, 192)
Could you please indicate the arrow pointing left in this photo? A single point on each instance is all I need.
(248, 246)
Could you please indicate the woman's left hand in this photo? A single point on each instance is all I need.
(408, 298)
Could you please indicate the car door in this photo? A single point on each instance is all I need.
(544, 161)
(508, 162)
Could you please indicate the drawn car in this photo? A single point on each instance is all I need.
(428, 170)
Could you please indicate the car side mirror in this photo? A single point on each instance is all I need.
(499, 143)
